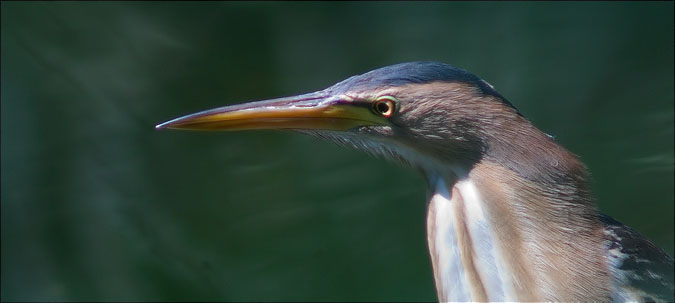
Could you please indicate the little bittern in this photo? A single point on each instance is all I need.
(510, 214)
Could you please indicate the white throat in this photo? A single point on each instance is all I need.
(463, 248)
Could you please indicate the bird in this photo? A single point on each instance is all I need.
(510, 213)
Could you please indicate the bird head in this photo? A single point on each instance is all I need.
(455, 127)
(425, 114)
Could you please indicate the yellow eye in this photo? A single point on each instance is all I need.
(384, 106)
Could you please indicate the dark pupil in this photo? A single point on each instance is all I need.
(382, 107)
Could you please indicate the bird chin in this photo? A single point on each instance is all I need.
(362, 140)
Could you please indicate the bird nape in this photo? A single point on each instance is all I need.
(510, 215)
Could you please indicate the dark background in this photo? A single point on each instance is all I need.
(97, 205)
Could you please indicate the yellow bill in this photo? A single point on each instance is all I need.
(315, 111)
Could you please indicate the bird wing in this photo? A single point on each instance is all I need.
(641, 270)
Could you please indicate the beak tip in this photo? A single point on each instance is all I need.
(161, 126)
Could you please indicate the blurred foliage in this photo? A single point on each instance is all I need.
(97, 205)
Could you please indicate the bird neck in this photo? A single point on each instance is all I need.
(516, 228)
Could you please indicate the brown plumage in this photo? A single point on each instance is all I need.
(510, 216)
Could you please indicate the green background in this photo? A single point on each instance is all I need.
(97, 205)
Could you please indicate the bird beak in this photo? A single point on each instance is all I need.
(314, 111)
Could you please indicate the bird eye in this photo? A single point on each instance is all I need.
(384, 106)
